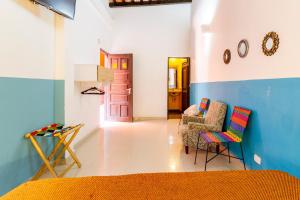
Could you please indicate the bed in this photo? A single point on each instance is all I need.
(260, 185)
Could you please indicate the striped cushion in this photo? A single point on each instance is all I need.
(47, 131)
(220, 137)
(204, 105)
(239, 121)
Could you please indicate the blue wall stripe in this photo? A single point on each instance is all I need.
(59, 101)
(25, 105)
(274, 128)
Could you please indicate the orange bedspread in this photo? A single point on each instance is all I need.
(260, 185)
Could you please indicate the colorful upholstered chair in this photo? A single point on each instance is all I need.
(234, 134)
(213, 121)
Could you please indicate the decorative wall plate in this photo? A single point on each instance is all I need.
(243, 48)
(227, 56)
(270, 43)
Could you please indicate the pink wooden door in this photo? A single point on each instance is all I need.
(119, 93)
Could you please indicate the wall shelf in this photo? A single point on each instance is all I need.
(92, 73)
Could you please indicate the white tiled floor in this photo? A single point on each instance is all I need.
(140, 147)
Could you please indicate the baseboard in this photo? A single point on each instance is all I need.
(137, 119)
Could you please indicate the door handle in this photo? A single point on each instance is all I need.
(129, 91)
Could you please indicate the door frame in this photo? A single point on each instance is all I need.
(189, 63)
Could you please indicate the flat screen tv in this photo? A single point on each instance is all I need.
(65, 8)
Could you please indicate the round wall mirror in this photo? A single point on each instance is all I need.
(270, 43)
(243, 48)
(227, 56)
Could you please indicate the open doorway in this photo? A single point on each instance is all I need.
(103, 63)
(103, 58)
(178, 86)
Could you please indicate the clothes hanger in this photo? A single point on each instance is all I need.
(93, 91)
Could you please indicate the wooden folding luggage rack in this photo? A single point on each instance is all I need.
(62, 145)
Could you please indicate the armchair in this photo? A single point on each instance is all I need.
(212, 122)
(192, 115)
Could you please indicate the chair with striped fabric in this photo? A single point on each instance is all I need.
(234, 134)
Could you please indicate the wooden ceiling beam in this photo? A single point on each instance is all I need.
(123, 3)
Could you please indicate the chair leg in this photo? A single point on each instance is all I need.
(178, 126)
(206, 156)
(243, 156)
(197, 147)
(72, 154)
(179, 123)
(187, 145)
(43, 157)
(186, 149)
(44, 167)
(66, 146)
(228, 152)
(217, 148)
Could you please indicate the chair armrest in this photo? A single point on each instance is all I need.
(187, 118)
(197, 127)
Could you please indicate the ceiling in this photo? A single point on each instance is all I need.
(122, 3)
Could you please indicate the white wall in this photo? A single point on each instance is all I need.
(90, 31)
(36, 43)
(218, 25)
(27, 36)
(152, 34)
(42, 44)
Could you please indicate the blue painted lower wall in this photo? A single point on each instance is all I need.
(274, 129)
(25, 105)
